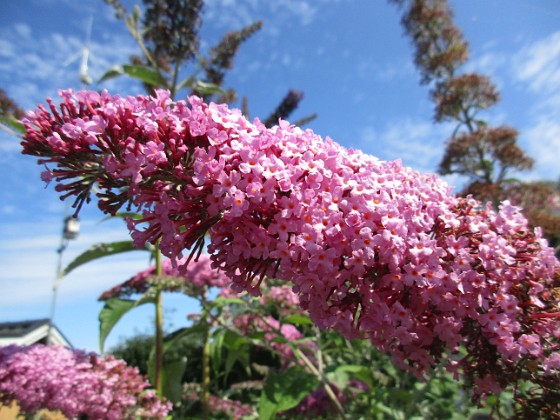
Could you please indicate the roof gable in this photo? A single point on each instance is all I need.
(26, 333)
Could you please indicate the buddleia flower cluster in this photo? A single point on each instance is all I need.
(76, 383)
(194, 279)
(233, 409)
(373, 249)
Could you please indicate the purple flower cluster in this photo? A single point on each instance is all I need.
(194, 278)
(76, 383)
(316, 405)
(372, 248)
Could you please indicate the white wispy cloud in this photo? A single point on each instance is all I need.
(29, 259)
(543, 140)
(231, 14)
(538, 64)
(534, 70)
(491, 64)
(419, 144)
(34, 66)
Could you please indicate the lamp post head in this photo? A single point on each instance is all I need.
(71, 228)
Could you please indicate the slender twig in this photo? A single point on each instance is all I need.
(297, 352)
(206, 367)
(173, 88)
(138, 38)
(326, 385)
(158, 363)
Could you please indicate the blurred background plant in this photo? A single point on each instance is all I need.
(489, 157)
(167, 35)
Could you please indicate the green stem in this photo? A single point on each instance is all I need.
(297, 352)
(173, 88)
(138, 38)
(158, 363)
(321, 376)
(206, 370)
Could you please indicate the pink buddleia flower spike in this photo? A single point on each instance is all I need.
(372, 249)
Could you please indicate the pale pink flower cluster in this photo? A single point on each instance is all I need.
(281, 297)
(233, 409)
(372, 248)
(194, 278)
(76, 383)
(276, 334)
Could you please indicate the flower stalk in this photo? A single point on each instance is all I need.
(158, 362)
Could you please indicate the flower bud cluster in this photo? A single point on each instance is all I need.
(373, 249)
(76, 383)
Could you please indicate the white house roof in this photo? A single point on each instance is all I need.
(26, 333)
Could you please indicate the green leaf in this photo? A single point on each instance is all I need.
(136, 14)
(511, 180)
(187, 83)
(216, 350)
(237, 351)
(234, 342)
(297, 319)
(113, 311)
(14, 124)
(341, 375)
(122, 215)
(145, 74)
(200, 86)
(98, 251)
(171, 341)
(113, 72)
(206, 88)
(222, 301)
(239, 355)
(172, 380)
(401, 396)
(285, 390)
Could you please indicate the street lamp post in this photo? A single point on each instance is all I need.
(70, 231)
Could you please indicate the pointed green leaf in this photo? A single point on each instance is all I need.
(343, 373)
(305, 120)
(187, 83)
(234, 342)
(297, 319)
(511, 180)
(207, 88)
(145, 74)
(172, 380)
(236, 356)
(237, 351)
(222, 301)
(113, 72)
(171, 341)
(216, 347)
(122, 215)
(14, 124)
(284, 390)
(98, 251)
(136, 14)
(113, 311)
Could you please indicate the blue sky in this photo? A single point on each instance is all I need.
(349, 57)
